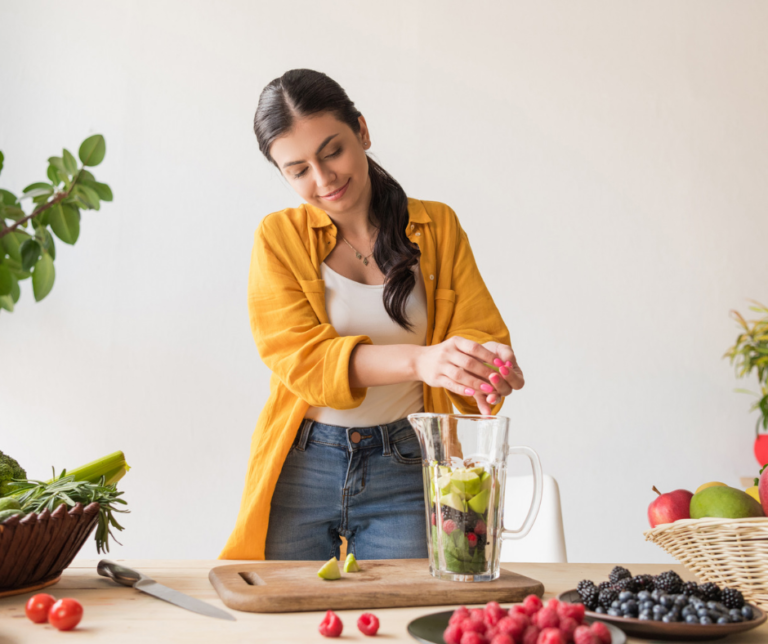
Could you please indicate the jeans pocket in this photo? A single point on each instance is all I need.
(407, 451)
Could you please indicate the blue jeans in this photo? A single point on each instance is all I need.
(363, 483)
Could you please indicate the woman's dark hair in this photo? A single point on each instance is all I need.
(301, 93)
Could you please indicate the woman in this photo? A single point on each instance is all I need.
(367, 306)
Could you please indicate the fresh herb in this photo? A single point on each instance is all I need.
(36, 496)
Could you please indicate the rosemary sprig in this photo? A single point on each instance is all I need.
(36, 496)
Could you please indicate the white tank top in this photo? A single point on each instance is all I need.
(358, 309)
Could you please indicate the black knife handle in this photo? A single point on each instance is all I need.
(118, 573)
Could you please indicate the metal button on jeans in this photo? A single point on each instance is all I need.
(355, 437)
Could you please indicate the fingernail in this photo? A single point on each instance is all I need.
(469, 391)
(497, 362)
(504, 371)
(486, 388)
(507, 364)
(492, 399)
(495, 378)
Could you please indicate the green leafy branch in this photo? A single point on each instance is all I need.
(750, 353)
(29, 252)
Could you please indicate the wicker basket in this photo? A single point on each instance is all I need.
(35, 549)
(728, 552)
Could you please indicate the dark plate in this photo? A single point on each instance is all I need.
(429, 629)
(680, 632)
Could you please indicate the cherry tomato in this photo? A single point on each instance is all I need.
(38, 606)
(65, 614)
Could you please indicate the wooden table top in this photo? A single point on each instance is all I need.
(117, 614)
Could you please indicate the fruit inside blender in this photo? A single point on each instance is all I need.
(460, 499)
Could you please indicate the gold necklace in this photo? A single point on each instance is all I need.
(358, 254)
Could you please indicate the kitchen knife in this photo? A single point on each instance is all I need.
(135, 579)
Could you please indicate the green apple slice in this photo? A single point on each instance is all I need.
(444, 484)
(479, 502)
(453, 500)
(330, 570)
(350, 564)
(465, 482)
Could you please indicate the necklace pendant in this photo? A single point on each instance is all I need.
(358, 255)
(365, 261)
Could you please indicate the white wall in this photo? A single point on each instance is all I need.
(608, 160)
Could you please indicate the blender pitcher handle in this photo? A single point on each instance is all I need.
(533, 511)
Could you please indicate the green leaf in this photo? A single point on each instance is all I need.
(6, 302)
(6, 280)
(88, 196)
(48, 244)
(15, 290)
(85, 175)
(43, 277)
(30, 253)
(92, 150)
(70, 163)
(38, 192)
(101, 189)
(12, 212)
(12, 243)
(58, 163)
(9, 199)
(2, 159)
(54, 176)
(65, 222)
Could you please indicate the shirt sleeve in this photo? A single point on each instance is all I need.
(475, 315)
(308, 357)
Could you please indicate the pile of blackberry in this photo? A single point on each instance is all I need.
(664, 598)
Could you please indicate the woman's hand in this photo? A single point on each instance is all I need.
(510, 376)
(457, 365)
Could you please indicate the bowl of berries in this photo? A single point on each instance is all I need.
(665, 607)
(530, 622)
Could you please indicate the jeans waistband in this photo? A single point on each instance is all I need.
(353, 438)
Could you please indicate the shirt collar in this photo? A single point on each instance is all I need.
(417, 214)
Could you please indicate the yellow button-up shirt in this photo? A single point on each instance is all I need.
(310, 361)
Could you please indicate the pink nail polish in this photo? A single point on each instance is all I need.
(469, 391)
(507, 364)
(495, 378)
(486, 388)
(497, 362)
(504, 371)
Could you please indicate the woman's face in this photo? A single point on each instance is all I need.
(325, 162)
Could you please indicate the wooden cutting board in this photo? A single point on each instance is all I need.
(293, 586)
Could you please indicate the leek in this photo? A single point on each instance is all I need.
(112, 467)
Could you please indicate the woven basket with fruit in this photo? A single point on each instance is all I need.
(720, 533)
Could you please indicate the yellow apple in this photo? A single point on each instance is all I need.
(704, 486)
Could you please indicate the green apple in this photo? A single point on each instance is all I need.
(350, 564)
(330, 570)
(465, 482)
(453, 500)
(479, 502)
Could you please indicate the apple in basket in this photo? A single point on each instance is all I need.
(669, 507)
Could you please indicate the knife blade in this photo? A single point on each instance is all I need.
(134, 579)
(151, 587)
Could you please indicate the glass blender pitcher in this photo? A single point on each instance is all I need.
(464, 462)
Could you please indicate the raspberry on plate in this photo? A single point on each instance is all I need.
(452, 634)
(550, 636)
(460, 614)
(502, 638)
(602, 632)
(514, 626)
(532, 604)
(531, 635)
(473, 638)
(567, 626)
(583, 635)
(471, 626)
(547, 618)
(574, 611)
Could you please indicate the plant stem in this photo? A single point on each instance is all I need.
(60, 196)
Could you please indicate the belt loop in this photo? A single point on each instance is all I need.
(386, 450)
(306, 425)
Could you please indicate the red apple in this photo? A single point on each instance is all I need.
(762, 489)
(670, 507)
(761, 449)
